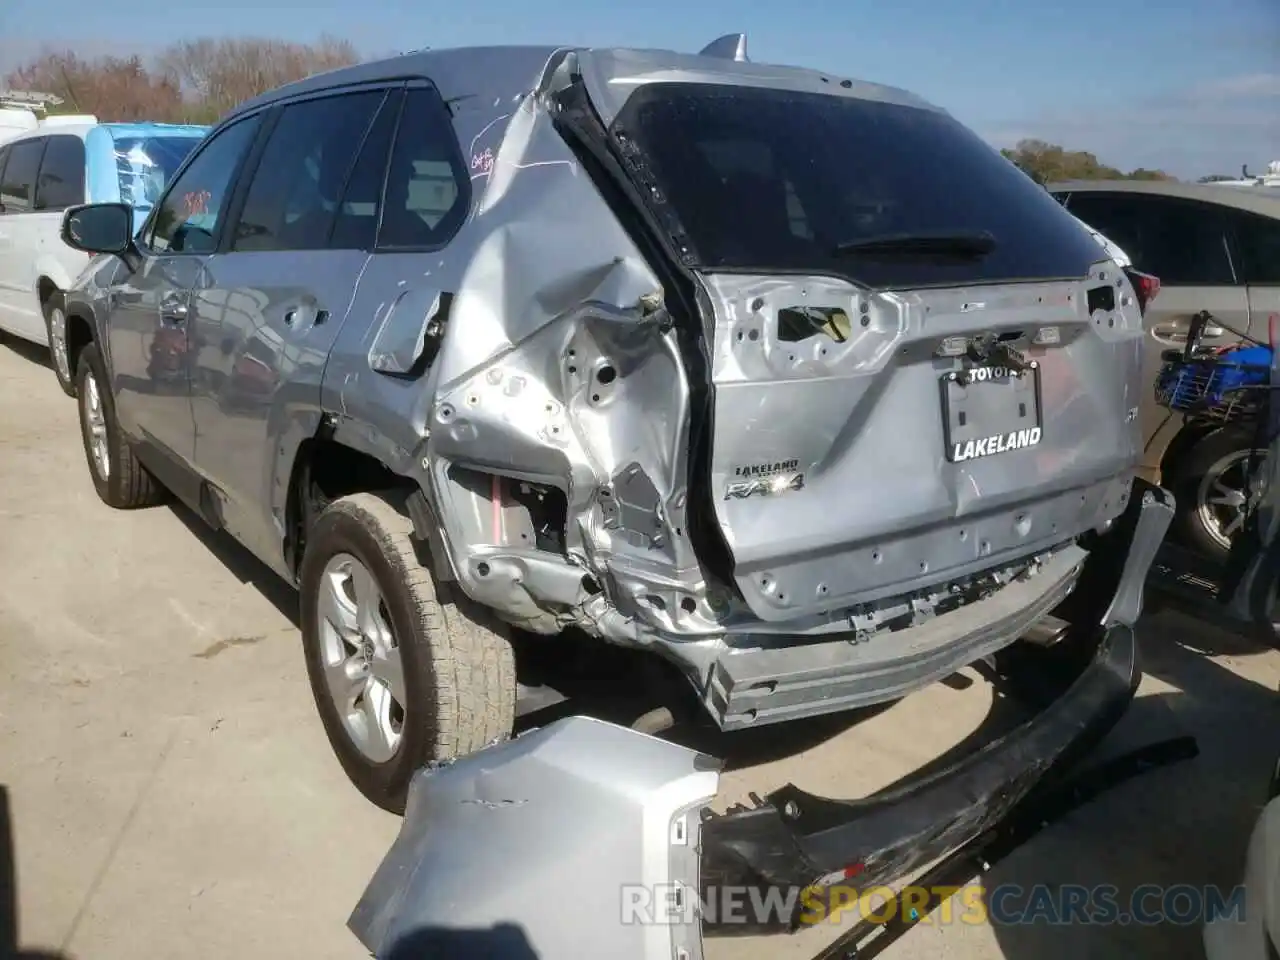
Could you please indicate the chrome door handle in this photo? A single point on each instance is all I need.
(1178, 330)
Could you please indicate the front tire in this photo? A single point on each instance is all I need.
(404, 670)
(55, 323)
(120, 480)
(1208, 485)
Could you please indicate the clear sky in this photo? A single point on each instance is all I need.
(1190, 86)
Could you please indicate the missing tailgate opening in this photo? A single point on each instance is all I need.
(1101, 298)
(802, 322)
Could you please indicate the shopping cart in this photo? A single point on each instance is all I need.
(1222, 385)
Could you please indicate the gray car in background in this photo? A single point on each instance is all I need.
(787, 378)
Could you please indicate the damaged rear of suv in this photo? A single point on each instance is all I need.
(911, 383)
(788, 378)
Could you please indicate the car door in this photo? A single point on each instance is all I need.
(6, 241)
(1257, 244)
(150, 306)
(276, 295)
(1185, 244)
(19, 307)
(60, 184)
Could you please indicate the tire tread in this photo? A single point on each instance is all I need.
(130, 486)
(468, 657)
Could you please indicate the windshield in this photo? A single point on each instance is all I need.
(145, 165)
(771, 180)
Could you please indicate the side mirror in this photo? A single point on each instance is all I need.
(99, 228)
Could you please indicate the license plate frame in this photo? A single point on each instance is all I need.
(990, 410)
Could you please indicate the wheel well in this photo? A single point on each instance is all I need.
(323, 471)
(45, 288)
(1181, 445)
(79, 336)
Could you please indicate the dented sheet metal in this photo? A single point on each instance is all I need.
(411, 321)
(717, 465)
(580, 830)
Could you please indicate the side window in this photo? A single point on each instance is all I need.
(17, 192)
(1180, 242)
(294, 196)
(356, 225)
(428, 188)
(62, 174)
(1258, 241)
(186, 221)
(4, 156)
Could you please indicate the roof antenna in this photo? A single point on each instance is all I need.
(732, 46)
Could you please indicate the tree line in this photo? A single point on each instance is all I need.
(193, 81)
(1049, 163)
(197, 81)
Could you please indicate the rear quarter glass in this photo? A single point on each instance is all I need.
(773, 180)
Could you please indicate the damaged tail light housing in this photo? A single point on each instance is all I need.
(1145, 286)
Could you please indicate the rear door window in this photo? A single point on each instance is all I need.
(297, 186)
(62, 174)
(356, 225)
(18, 189)
(1258, 243)
(4, 156)
(780, 181)
(1181, 242)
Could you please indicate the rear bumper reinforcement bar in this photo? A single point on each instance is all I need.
(796, 839)
(556, 844)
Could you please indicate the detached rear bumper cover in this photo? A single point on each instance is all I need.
(555, 844)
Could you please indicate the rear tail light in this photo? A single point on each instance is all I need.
(1145, 286)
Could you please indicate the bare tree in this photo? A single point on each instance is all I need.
(192, 81)
(111, 88)
(221, 73)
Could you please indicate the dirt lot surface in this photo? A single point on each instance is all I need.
(172, 794)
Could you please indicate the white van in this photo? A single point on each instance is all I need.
(15, 121)
(54, 166)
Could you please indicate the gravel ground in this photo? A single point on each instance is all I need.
(172, 794)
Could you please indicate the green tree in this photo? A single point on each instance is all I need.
(1050, 162)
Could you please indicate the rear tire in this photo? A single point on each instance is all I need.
(120, 480)
(55, 324)
(1207, 484)
(458, 688)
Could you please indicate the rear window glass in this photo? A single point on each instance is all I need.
(145, 164)
(769, 180)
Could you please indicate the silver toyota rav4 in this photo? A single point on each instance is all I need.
(788, 378)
